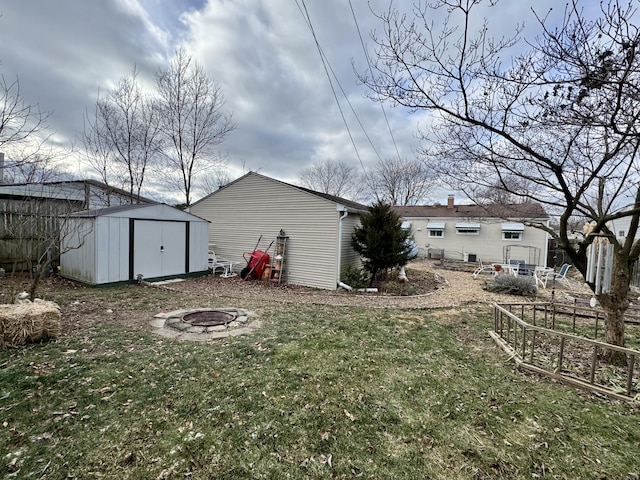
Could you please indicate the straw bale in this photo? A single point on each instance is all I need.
(28, 322)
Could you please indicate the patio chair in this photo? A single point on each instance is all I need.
(216, 263)
(560, 276)
(483, 268)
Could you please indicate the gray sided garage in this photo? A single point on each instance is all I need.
(125, 243)
(318, 227)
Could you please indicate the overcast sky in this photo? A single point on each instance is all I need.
(261, 53)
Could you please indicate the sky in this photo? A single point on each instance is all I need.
(260, 52)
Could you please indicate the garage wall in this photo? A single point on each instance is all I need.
(255, 205)
(349, 257)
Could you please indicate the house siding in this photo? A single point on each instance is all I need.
(488, 245)
(256, 205)
(349, 257)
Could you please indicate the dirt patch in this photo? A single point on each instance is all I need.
(429, 286)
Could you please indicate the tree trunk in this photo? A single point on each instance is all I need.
(615, 304)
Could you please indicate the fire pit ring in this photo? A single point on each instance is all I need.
(206, 323)
(209, 318)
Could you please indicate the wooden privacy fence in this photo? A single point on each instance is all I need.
(545, 346)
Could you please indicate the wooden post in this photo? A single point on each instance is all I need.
(630, 376)
(533, 346)
(593, 363)
(560, 354)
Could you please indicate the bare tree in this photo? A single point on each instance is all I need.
(563, 115)
(32, 232)
(39, 168)
(333, 177)
(122, 137)
(23, 129)
(400, 182)
(211, 180)
(19, 121)
(194, 122)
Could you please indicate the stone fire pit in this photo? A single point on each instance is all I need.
(202, 324)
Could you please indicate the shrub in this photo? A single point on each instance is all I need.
(356, 277)
(521, 285)
(381, 241)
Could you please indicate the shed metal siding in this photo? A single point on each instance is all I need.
(105, 255)
(256, 206)
(79, 259)
(112, 239)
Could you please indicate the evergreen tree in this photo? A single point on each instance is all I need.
(381, 240)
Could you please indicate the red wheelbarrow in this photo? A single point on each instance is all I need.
(256, 262)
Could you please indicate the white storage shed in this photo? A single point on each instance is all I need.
(125, 243)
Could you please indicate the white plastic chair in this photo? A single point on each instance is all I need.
(561, 276)
(215, 264)
(483, 268)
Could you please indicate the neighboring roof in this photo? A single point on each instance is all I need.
(338, 200)
(52, 190)
(521, 210)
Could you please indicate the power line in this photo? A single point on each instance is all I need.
(366, 56)
(327, 67)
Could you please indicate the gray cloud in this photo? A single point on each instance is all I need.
(261, 53)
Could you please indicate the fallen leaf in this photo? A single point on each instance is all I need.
(324, 435)
(351, 417)
(427, 442)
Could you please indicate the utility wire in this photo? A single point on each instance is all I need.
(366, 56)
(327, 67)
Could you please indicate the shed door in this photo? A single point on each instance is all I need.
(159, 248)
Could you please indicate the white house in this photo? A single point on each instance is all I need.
(495, 233)
(318, 227)
(125, 243)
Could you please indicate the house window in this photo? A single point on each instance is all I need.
(512, 231)
(436, 230)
(468, 228)
(517, 236)
(622, 233)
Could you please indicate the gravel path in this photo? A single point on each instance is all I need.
(455, 289)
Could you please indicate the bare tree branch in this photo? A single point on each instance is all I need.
(194, 122)
(562, 116)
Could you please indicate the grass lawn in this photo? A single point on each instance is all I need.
(317, 392)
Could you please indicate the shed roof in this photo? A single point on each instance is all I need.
(121, 209)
